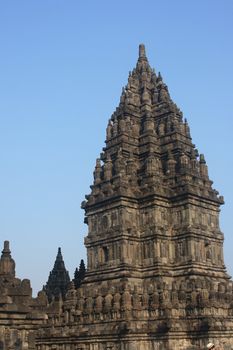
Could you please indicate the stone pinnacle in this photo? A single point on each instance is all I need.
(142, 51)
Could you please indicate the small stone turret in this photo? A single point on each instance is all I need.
(58, 279)
(79, 274)
(142, 51)
(7, 264)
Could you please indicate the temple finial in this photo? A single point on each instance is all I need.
(59, 255)
(142, 51)
(6, 248)
(7, 264)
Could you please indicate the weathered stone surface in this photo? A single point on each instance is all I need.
(20, 314)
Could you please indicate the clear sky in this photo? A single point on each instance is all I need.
(62, 66)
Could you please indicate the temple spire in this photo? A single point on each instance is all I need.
(59, 256)
(58, 279)
(7, 264)
(142, 51)
(79, 274)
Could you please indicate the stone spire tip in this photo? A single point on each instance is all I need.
(6, 246)
(142, 51)
(59, 255)
(7, 264)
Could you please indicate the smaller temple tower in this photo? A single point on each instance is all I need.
(79, 274)
(57, 284)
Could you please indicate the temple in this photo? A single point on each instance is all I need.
(155, 277)
(57, 284)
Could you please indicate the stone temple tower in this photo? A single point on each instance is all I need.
(152, 210)
(155, 278)
(57, 284)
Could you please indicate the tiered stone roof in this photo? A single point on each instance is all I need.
(151, 187)
(58, 281)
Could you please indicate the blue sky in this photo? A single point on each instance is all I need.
(62, 67)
